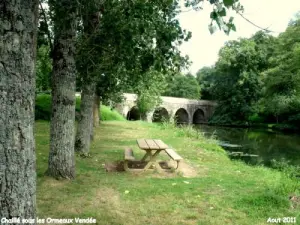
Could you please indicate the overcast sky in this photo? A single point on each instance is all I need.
(203, 47)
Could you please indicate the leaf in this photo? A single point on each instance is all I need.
(222, 12)
(228, 3)
(126, 192)
(233, 27)
(219, 21)
(213, 15)
(211, 28)
(186, 182)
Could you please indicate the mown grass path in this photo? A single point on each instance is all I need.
(222, 192)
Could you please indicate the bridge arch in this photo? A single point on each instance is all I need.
(199, 116)
(181, 116)
(160, 115)
(133, 114)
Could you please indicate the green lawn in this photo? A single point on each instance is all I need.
(222, 192)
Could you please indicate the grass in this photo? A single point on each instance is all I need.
(222, 192)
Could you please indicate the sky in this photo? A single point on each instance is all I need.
(203, 47)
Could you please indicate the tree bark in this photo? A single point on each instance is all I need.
(85, 130)
(18, 28)
(96, 114)
(85, 123)
(61, 162)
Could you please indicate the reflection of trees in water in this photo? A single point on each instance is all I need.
(267, 145)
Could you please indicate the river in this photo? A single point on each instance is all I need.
(267, 144)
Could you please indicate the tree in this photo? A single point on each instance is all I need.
(282, 77)
(206, 78)
(61, 162)
(44, 48)
(183, 86)
(148, 93)
(237, 83)
(18, 28)
(91, 19)
(132, 40)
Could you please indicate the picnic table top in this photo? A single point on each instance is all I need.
(151, 144)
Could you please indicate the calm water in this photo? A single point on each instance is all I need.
(267, 144)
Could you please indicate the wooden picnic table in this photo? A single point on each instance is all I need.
(152, 147)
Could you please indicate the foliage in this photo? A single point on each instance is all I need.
(219, 14)
(43, 106)
(132, 39)
(237, 84)
(205, 77)
(148, 93)
(43, 109)
(183, 86)
(282, 78)
(256, 79)
(283, 165)
(107, 114)
(43, 69)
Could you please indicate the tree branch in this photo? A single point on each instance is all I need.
(249, 21)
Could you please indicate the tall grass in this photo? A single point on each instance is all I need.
(188, 131)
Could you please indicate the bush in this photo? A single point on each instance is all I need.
(256, 118)
(43, 109)
(284, 166)
(294, 119)
(43, 106)
(106, 114)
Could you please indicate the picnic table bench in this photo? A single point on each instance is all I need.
(153, 147)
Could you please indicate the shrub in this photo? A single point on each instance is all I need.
(43, 107)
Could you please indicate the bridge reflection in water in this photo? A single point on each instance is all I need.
(183, 111)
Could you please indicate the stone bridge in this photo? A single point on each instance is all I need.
(187, 111)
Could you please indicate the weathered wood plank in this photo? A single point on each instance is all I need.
(161, 144)
(142, 144)
(152, 144)
(173, 154)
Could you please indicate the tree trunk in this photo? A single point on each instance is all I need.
(61, 162)
(18, 26)
(92, 129)
(85, 123)
(96, 113)
(85, 130)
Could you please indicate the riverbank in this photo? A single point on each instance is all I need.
(221, 192)
(282, 127)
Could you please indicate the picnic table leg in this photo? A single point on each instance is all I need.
(148, 154)
(153, 161)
